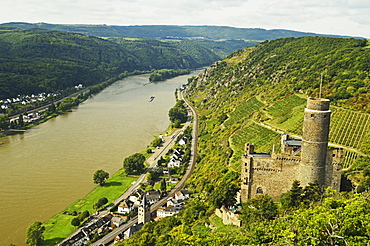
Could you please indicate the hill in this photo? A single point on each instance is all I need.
(170, 31)
(39, 60)
(251, 96)
(222, 40)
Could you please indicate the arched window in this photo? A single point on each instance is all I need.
(258, 164)
(259, 190)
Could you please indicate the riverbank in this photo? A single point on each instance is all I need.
(59, 226)
(57, 159)
(77, 98)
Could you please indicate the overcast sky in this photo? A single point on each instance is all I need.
(343, 17)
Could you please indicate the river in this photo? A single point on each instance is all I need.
(50, 166)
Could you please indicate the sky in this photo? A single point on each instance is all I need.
(341, 17)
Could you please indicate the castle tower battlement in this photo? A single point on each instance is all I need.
(315, 141)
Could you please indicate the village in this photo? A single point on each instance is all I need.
(11, 106)
(140, 203)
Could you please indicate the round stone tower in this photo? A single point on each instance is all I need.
(314, 141)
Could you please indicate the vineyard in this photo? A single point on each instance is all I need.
(246, 109)
(348, 128)
(288, 114)
(349, 158)
(285, 105)
(263, 138)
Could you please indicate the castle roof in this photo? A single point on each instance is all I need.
(293, 142)
(266, 155)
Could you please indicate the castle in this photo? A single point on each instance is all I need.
(307, 160)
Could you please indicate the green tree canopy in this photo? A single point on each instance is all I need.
(260, 208)
(100, 176)
(293, 197)
(75, 222)
(102, 201)
(178, 112)
(134, 164)
(35, 235)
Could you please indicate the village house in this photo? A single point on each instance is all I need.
(117, 221)
(183, 140)
(163, 212)
(88, 232)
(125, 207)
(172, 202)
(182, 195)
(152, 196)
(136, 196)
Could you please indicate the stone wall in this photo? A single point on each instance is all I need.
(273, 176)
(228, 217)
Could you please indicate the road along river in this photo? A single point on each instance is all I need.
(50, 166)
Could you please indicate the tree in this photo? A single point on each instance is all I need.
(35, 235)
(52, 108)
(313, 192)
(149, 176)
(85, 214)
(20, 121)
(224, 194)
(100, 202)
(134, 164)
(178, 112)
(100, 176)
(293, 197)
(163, 187)
(260, 208)
(156, 142)
(4, 122)
(75, 222)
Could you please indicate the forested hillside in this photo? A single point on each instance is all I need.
(169, 31)
(39, 60)
(252, 96)
(222, 40)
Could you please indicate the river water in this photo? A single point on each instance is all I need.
(50, 166)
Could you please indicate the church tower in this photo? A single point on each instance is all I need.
(143, 211)
(315, 141)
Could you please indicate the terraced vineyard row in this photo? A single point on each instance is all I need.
(243, 110)
(348, 128)
(349, 158)
(262, 137)
(281, 107)
(288, 114)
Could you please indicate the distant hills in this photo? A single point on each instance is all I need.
(222, 40)
(41, 57)
(39, 60)
(170, 31)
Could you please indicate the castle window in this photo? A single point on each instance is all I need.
(259, 190)
(246, 170)
(312, 115)
(258, 164)
(268, 164)
(333, 155)
(324, 115)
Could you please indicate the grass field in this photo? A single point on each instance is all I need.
(59, 226)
